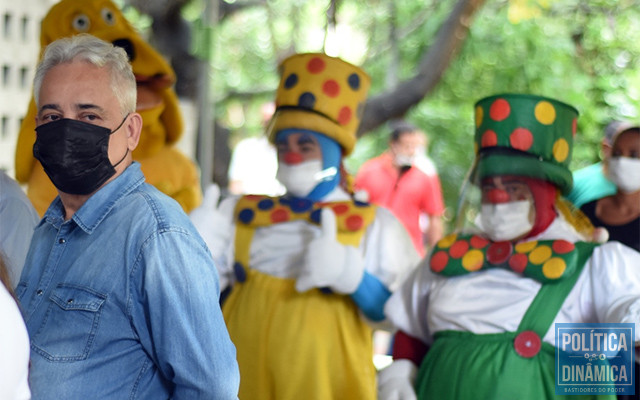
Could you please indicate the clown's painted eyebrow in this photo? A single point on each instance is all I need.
(305, 138)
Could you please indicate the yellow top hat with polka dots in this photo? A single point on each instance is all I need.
(525, 135)
(323, 94)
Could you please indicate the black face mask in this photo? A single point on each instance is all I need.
(74, 154)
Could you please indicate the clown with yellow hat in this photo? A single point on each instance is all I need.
(488, 297)
(308, 270)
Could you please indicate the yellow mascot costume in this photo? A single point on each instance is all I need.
(164, 166)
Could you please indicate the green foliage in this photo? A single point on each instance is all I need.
(584, 53)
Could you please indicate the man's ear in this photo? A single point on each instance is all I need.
(134, 127)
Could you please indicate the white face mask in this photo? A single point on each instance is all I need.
(404, 160)
(300, 179)
(625, 173)
(506, 221)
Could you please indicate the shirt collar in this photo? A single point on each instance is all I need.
(98, 206)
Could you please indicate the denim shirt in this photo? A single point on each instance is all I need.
(121, 302)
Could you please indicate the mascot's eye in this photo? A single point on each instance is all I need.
(108, 16)
(81, 23)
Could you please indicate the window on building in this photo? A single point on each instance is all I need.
(6, 27)
(4, 127)
(6, 71)
(24, 28)
(24, 78)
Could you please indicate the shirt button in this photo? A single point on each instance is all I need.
(61, 240)
(39, 292)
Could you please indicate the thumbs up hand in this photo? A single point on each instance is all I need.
(329, 263)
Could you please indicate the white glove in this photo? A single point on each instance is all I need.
(328, 263)
(396, 381)
(213, 226)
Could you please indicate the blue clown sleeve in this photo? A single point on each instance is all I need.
(370, 296)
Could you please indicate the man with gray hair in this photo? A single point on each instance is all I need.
(119, 291)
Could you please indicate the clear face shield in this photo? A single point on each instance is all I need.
(501, 207)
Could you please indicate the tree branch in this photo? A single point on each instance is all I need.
(396, 102)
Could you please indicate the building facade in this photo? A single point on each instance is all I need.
(20, 44)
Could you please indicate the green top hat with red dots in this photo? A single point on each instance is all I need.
(525, 135)
(323, 94)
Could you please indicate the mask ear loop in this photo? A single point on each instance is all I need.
(112, 132)
(120, 126)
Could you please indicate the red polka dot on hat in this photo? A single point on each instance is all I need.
(521, 139)
(344, 116)
(331, 88)
(316, 65)
(499, 110)
(489, 139)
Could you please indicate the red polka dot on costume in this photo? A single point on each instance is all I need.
(499, 110)
(316, 65)
(438, 261)
(344, 116)
(354, 223)
(459, 248)
(331, 88)
(521, 139)
(574, 126)
(518, 262)
(279, 215)
(340, 209)
(562, 246)
(489, 139)
(499, 252)
(527, 344)
(478, 242)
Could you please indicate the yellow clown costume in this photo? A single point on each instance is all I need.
(312, 342)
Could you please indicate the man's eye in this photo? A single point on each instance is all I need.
(51, 117)
(90, 117)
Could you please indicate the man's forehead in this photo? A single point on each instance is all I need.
(74, 107)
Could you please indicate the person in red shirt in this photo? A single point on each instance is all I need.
(405, 181)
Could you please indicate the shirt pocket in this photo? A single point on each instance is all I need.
(70, 324)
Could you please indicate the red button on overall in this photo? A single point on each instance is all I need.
(527, 344)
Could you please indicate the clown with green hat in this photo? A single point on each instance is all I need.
(307, 271)
(485, 301)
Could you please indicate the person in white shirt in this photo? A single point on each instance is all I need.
(14, 344)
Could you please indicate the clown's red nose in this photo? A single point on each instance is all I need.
(497, 196)
(292, 158)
